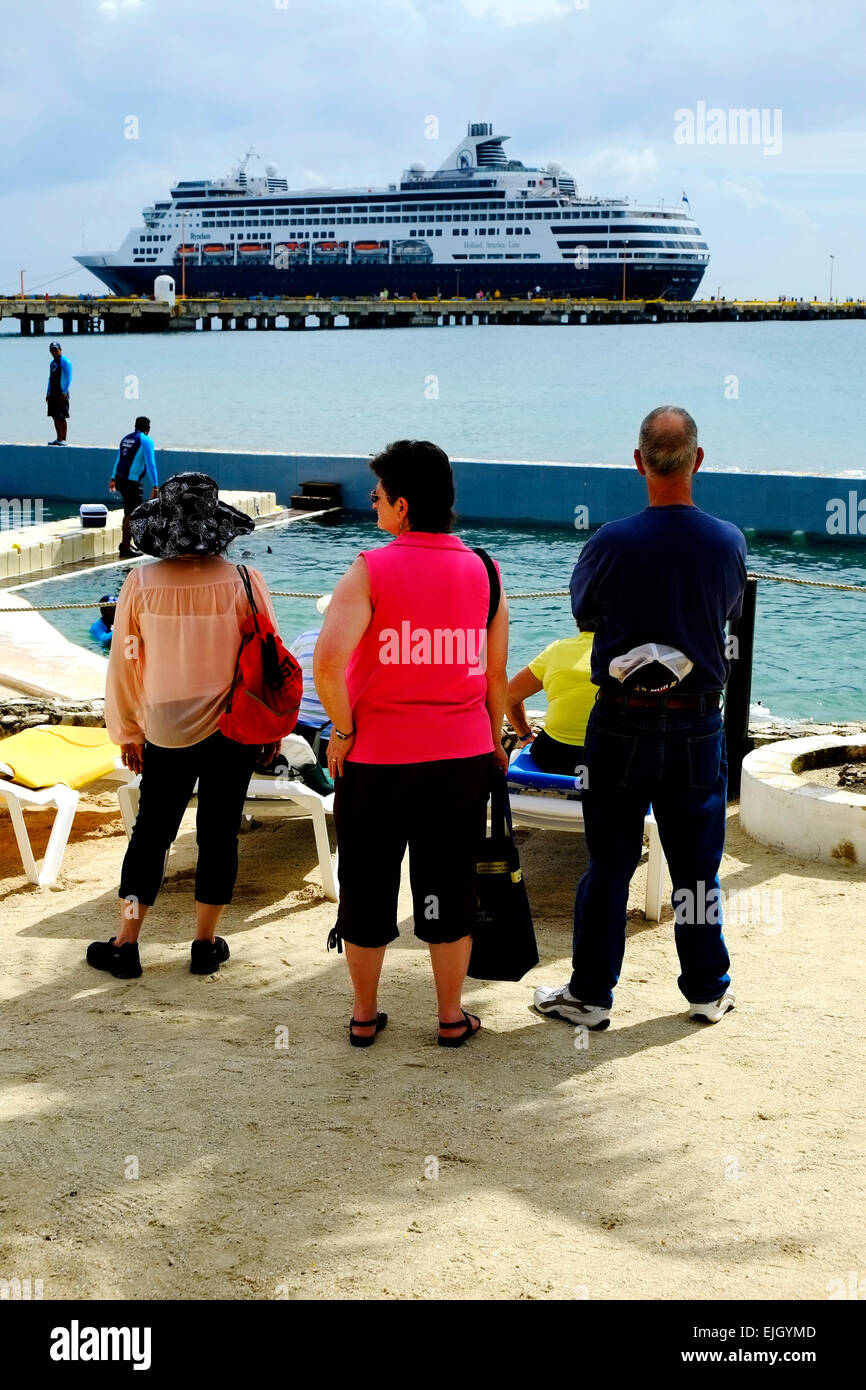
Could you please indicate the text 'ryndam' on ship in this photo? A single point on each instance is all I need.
(481, 222)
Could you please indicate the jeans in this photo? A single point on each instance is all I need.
(223, 769)
(676, 761)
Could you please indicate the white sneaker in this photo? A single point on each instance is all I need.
(561, 1003)
(712, 1012)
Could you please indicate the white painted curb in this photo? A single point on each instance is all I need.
(781, 807)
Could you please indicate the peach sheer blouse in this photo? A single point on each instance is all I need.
(173, 652)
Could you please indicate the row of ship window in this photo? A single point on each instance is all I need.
(600, 255)
(359, 211)
(210, 221)
(481, 231)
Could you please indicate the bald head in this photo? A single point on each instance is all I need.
(668, 442)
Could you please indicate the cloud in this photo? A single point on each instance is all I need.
(596, 91)
(511, 12)
(750, 193)
(621, 163)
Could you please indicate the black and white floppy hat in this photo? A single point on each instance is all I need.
(187, 518)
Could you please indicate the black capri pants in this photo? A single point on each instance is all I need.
(437, 810)
(223, 769)
(553, 756)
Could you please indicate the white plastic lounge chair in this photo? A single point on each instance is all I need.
(44, 768)
(546, 812)
(272, 797)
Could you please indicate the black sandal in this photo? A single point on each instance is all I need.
(380, 1020)
(468, 1030)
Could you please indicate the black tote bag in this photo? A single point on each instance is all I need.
(503, 945)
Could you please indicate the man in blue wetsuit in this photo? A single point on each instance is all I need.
(134, 468)
(659, 588)
(57, 394)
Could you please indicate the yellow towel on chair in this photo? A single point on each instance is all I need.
(53, 753)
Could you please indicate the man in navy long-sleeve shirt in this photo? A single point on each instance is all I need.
(134, 468)
(658, 588)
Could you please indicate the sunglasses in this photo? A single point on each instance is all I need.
(374, 497)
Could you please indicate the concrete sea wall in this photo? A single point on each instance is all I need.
(585, 495)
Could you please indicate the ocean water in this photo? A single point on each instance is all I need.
(767, 396)
(810, 660)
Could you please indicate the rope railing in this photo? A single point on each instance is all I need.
(530, 593)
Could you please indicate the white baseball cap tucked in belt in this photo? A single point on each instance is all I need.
(671, 667)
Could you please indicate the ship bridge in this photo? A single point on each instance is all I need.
(480, 154)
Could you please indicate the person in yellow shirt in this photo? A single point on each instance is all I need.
(562, 671)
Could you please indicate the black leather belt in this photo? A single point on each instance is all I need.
(712, 700)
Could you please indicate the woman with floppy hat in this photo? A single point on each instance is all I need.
(177, 631)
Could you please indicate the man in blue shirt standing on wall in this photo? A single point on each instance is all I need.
(134, 467)
(659, 588)
(57, 395)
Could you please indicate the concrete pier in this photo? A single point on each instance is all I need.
(112, 315)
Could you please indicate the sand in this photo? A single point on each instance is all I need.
(177, 1137)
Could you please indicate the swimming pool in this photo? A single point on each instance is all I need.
(810, 649)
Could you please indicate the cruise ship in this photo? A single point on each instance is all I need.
(481, 223)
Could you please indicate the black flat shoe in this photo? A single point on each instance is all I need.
(468, 1031)
(207, 956)
(380, 1020)
(120, 961)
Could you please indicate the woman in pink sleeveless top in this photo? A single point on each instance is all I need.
(413, 676)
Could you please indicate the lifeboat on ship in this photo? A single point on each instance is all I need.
(216, 253)
(370, 251)
(288, 253)
(254, 252)
(413, 252)
(330, 252)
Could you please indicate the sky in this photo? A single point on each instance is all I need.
(633, 98)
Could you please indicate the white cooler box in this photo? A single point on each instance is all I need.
(93, 514)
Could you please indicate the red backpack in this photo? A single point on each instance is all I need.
(266, 688)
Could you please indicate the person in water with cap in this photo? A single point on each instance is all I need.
(102, 630)
(134, 468)
(659, 588)
(57, 394)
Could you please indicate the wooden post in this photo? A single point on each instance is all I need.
(738, 694)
